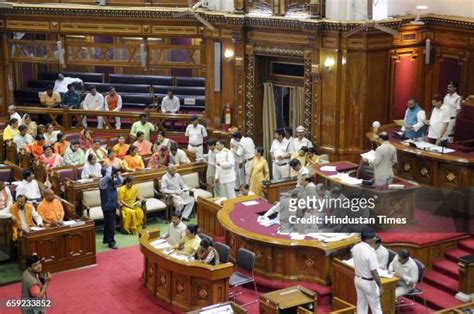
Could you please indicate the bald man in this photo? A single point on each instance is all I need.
(50, 208)
(173, 185)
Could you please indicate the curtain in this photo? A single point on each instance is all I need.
(297, 106)
(269, 117)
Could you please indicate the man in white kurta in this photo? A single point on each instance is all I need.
(405, 268)
(385, 158)
(60, 85)
(196, 133)
(247, 152)
(452, 101)
(237, 150)
(367, 281)
(94, 101)
(225, 172)
(439, 121)
(178, 156)
(300, 139)
(210, 159)
(170, 103)
(280, 156)
(382, 253)
(173, 184)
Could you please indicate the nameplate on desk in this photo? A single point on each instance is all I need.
(189, 101)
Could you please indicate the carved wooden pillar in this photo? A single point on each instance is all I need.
(316, 91)
(5, 97)
(249, 90)
(466, 278)
(308, 89)
(210, 95)
(239, 71)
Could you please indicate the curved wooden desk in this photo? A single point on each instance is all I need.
(454, 170)
(184, 285)
(278, 256)
(391, 203)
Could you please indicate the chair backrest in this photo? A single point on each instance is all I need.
(146, 189)
(5, 174)
(65, 173)
(205, 236)
(191, 179)
(223, 250)
(421, 269)
(91, 198)
(391, 256)
(245, 259)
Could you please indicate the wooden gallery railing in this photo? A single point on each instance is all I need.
(72, 118)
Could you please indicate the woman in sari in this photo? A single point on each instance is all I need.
(112, 160)
(97, 150)
(131, 206)
(207, 253)
(159, 158)
(133, 161)
(312, 160)
(259, 172)
(51, 135)
(31, 126)
(85, 139)
(61, 144)
(121, 147)
(144, 146)
(162, 141)
(49, 158)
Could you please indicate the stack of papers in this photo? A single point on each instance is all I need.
(73, 223)
(160, 244)
(250, 203)
(36, 228)
(369, 156)
(346, 179)
(329, 237)
(430, 147)
(328, 168)
(179, 257)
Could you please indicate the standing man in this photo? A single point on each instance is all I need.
(61, 84)
(170, 103)
(405, 268)
(113, 102)
(173, 185)
(225, 172)
(453, 102)
(142, 126)
(109, 202)
(367, 280)
(280, 155)
(385, 158)
(415, 120)
(300, 139)
(34, 285)
(211, 166)
(196, 133)
(238, 166)
(439, 121)
(247, 151)
(94, 101)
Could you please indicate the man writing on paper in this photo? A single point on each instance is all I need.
(414, 120)
(385, 158)
(405, 268)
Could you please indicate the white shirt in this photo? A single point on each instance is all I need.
(171, 184)
(17, 116)
(170, 105)
(51, 138)
(420, 120)
(297, 143)
(382, 256)
(275, 209)
(438, 118)
(365, 260)
(225, 166)
(175, 234)
(119, 103)
(22, 141)
(303, 171)
(196, 134)
(61, 86)
(93, 102)
(248, 148)
(91, 169)
(179, 158)
(29, 189)
(280, 149)
(6, 213)
(453, 102)
(9, 201)
(408, 272)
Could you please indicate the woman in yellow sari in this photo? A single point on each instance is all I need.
(121, 147)
(133, 161)
(259, 172)
(312, 160)
(130, 206)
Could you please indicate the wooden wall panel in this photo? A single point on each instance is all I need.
(329, 105)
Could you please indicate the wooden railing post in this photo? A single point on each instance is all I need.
(466, 278)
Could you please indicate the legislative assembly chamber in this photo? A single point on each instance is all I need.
(237, 156)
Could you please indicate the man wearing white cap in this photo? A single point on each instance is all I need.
(300, 140)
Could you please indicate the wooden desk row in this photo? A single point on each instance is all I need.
(184, 285)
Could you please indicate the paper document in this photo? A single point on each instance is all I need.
(218, 310)
(179, 257)
(250, 203)
(400, 123)
(349, 262)
(328, 168)
(156, 242)
(162, 246)
(297, 236)
(369, 156)
(384, 273)
(395, 186)
(347, 179)
(36, 228)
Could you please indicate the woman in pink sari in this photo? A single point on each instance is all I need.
(143, 146)
(49, 158)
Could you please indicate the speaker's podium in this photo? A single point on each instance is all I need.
(295, 299)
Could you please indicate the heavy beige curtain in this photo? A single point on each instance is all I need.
(296, 106)
(269, 117)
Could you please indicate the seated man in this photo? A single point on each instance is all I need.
(382, 253)
(22, 215)
(300, 155)
(6, 199)
(178, 156)
(72, 98)
(170, 103)
(51, 209)
(405, 268)
(61, 85)
(299, 169)
(50, 98)
(23, 139)
(74, 154)
(29, 187)
(176, 230)
(173, 184)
